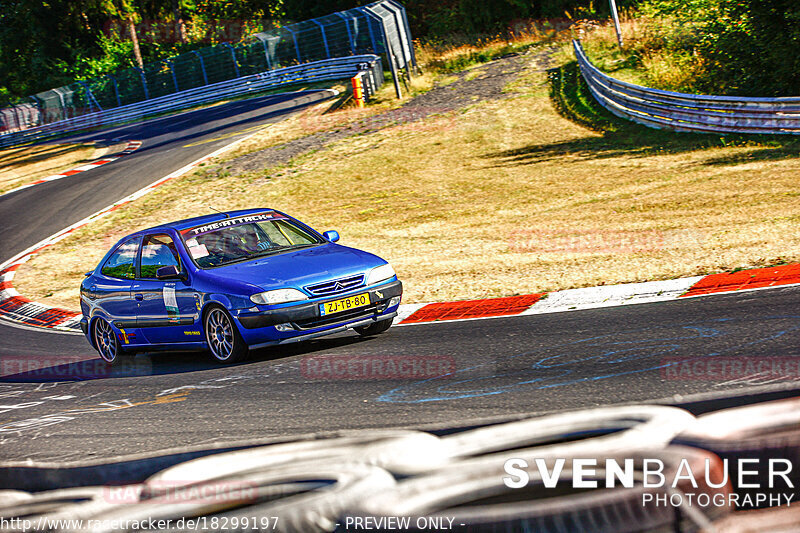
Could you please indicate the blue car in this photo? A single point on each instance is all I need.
(233, 281)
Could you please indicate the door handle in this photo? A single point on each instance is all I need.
(139, 297)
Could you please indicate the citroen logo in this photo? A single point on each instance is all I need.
(338, 286)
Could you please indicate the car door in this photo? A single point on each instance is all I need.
(166, 309)
(112, 290)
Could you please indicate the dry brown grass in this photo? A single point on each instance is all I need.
(506, 197)
(19, 166)
(460, 51)
(650, 56)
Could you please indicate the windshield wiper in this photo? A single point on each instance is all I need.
(276, 249)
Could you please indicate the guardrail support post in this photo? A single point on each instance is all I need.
(613, 6)
(392, 65)
(233, 57)
(116, 88)
(369, 28)
(349, 33)
(296, 46)
(89, 95)
(324, 38)
(144, 83)
(174, 76)
(202, 66)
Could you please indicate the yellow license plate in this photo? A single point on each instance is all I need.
(345, 304)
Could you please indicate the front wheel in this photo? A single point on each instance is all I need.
(224, 340)
(376, 328)
(106, 342)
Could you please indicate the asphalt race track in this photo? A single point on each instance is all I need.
(439, 374)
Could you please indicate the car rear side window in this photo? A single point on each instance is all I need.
(122, 263)
(158, 251)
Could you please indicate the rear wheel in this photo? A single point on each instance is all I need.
(106, 342)
(376, 328)
(224, 340)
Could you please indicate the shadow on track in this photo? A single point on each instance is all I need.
(572, 99)
(49, 369)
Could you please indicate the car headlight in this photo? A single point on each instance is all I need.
(380, 273)
(279, 296)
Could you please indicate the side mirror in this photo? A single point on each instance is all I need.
(169, 272)
(331, 235)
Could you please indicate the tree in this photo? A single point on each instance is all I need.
(179, 23)
(125, 10)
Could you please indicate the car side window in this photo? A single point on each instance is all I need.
(122, 263)
(158, 251)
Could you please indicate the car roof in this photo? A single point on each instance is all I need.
(187, 223)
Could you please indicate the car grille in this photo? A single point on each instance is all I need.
(336, 286)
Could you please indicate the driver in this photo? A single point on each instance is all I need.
(242, 239)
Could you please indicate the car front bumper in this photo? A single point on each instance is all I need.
(329, 331)
(304, 320)
(307, 314)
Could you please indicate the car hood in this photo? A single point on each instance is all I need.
(301, 267)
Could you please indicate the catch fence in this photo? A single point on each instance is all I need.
(379, 28)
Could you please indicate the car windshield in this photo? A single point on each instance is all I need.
(238, 239)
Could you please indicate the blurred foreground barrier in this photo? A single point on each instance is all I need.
(755, 434)
(625, 469)
(690, 112)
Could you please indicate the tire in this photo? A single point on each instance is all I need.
(224, 341)
(106, 342)
(375, 329)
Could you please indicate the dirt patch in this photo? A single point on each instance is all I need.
(469, 87)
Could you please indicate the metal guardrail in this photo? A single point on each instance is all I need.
(329, 69)
(379, 28)
(689, 112)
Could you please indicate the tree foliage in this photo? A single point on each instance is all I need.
(745, 47)
(748, 46)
